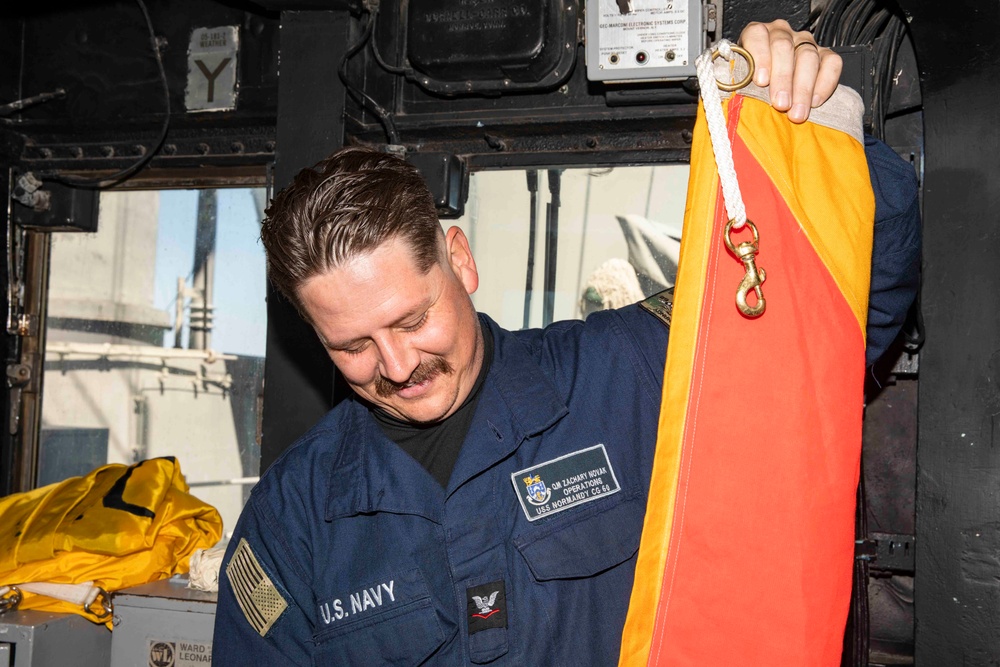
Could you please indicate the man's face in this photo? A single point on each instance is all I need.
(406, 341)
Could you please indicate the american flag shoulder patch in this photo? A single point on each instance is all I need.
(256, 594)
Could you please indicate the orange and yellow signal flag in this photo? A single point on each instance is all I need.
(748, 541)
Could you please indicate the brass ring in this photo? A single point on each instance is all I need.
(730, 87)
(806, 43)
(729, 230)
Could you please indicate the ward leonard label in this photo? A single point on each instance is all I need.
(565, 482)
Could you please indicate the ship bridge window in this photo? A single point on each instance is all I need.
(556, 244)
(155, 341)
(156, 323)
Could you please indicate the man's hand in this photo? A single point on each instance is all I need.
(801, 74)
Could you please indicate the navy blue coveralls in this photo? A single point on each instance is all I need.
(358, 557)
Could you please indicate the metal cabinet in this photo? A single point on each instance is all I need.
(33, 638)
(163, 624)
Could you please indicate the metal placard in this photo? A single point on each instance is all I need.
(636, 40)
(212, 58)
(171, 653)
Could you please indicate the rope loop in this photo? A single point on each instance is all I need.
(721, 147)
(723, 150)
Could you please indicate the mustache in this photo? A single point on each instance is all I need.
(425, 371)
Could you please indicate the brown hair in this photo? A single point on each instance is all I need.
(347, 204)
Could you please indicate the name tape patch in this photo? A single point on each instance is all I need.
(565, 482)
(256, 594)
(358, 602)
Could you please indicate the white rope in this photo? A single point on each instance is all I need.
(717, 131)
(77, 594)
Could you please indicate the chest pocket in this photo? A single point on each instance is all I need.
(594, 540)
(402, 631)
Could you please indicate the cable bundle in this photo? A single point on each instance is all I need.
(855, 22)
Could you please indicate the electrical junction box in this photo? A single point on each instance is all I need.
(163, 624)
(33, 638)
(645, 40)
(490, 47)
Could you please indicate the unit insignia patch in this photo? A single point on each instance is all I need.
(661, 305)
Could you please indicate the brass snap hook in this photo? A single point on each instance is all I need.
(107, 608)
(10, 599)
(730, 87)
(755, 277)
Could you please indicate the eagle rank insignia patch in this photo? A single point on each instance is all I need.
(487, 606)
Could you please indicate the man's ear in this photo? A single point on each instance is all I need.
(460, 258)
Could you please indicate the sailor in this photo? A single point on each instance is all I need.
(479, 499)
